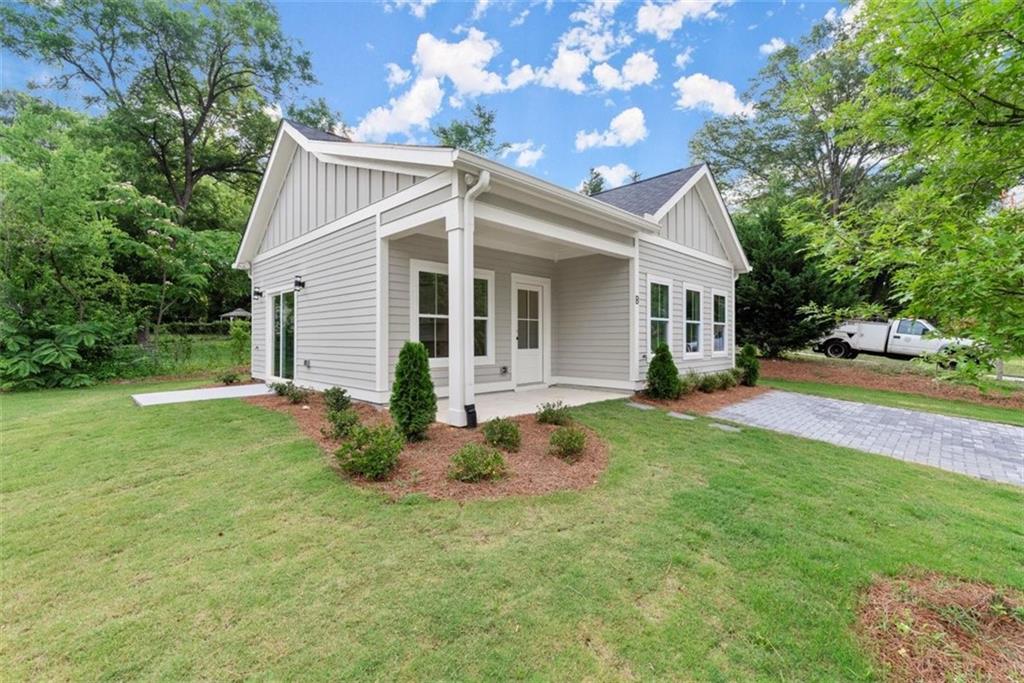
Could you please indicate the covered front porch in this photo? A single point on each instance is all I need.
(512, 403)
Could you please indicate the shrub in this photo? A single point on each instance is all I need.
(568, 443)
(688, 383)
(342, 422)
(662, 374)
(707, 382)
(240, 332)
(228, 378)
(748, 363)
(726, 379)
(477, 462)
(413, 402)
(556, 413)
(294, 394)
(281, 388)
(503, 433)
(337, 399)
(372, 452)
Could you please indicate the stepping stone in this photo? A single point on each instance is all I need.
(681, 416)
(724, 428)
(639, 406)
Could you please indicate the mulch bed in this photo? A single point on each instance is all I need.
(931, 627)
(701, 402)
(905, 381)
(423, 465)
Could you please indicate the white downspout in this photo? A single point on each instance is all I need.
(483, 183)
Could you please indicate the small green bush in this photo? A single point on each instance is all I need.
(707, 382)
(662, 374)
(342, 422)
(413, 401)
(477, 462)
(502, 433)
(337, 399)
(556, 413)
(688, 383)
(281, 388)
(240, 332)
(296, 394)
(568, 443)
(727, 379)
(371, 452)
(228, 378)
(747, 362)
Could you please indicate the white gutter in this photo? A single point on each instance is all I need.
(483, 183)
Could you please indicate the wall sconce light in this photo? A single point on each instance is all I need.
(257, 293)
(299, 282)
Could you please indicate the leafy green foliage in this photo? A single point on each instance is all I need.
(554, 413)
(371, 452)
(662, 374)
(747, 362)
(228, 378)
(502, 432)
(708, 382)
(568, 443)
(593, 184)
(688, 383)
(477, 462)
(336, 398)
(280, 388)
(477, 135)
(342, 421)
(240, 333)
(413, 401)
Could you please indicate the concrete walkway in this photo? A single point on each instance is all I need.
(159, 398)
(986, 450)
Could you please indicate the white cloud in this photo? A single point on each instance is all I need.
(526, 153)
(417, 8)
(565, 72)
(772, 46)
(700, 91)
(625, 130)
(520, 75)
(684, 58)
(520, 18)
(480, 8)
(596, 35)
(413, 109)
(463, 62)
(665, 19)
(396, 75)
(848, 14)
(639, 69)
(274, 111)
(613, 175)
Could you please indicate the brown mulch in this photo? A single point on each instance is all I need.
(931, 627)
(423, 465)
(904, 381)
(701, 402)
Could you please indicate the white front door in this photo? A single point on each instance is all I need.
(528, 343)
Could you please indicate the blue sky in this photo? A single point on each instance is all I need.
(614, 85)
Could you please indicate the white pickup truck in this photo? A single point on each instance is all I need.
(900, 338)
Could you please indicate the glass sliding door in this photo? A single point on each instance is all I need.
(284, 335)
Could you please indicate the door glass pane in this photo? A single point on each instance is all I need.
(480, 298)
(276, 326)
(534, 334)
(288, 335)
(479, 337)
(904, 327)
(521, 305)
(523, 334)
(534, 298)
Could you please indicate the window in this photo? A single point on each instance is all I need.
(718, 323)
(912, 327)
(429, 312)
(693, 324)
(659, 313)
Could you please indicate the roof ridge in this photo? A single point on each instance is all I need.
(644, 180)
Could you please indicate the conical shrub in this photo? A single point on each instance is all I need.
(662, 374)
(413, 401)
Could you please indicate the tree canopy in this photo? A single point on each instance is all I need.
(476, 134)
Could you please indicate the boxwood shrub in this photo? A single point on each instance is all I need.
(371, 452)
(477, 462)
(568, 443)
(502, 433)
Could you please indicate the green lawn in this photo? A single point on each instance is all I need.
(211, 541)
(896, 399)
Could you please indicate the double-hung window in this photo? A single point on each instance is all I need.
(429, 312)
(718, 323)
(659, 312)
(693, 325)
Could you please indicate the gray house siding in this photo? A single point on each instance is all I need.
(335, 314)
(697, 273)
(689, 224)
(590, 307)
(315, 193)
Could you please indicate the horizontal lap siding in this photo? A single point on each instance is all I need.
(591, 318)
(336, 312)
(696, 273)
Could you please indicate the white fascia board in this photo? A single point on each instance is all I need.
(270, 184)
(678, 196)
(438, 157)
(420, 170)
(726, 230)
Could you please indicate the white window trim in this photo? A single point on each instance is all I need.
(667, 282)
(268, 295)
(725, 332)
(699, 353)
(416, 266)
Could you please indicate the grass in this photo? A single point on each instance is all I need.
(194, 355)
(210, 540)
(943, 406)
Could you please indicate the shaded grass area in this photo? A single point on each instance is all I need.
(894, 399)
(210, 540)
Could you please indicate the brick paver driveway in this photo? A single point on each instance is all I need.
(979, 449)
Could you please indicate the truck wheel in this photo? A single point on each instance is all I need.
(851, 354)
(835, 348)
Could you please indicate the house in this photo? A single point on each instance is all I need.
(509, 281)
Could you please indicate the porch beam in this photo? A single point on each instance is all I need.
(553, 231)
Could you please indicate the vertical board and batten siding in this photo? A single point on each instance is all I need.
(314, 194)
(335, 314)
(695, 273)
(503, 263)
(689, 224)
(590, 333)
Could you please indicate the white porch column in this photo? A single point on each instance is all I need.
(458, 294)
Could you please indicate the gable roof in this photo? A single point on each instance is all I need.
(647, 196)
(311, 133)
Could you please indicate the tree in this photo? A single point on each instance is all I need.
(186, 85)
(634, 176)
(593, 184)
(413, 401)
(318, 114)
(477, 135)
(662, 375)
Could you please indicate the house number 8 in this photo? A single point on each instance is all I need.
(637, 299)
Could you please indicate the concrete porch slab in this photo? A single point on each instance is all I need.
(159, 398)
(511, 403)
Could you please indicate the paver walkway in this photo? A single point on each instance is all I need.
(160, 398)
(979, 449)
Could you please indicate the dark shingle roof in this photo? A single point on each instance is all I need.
(649, 195)
(316, 134)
